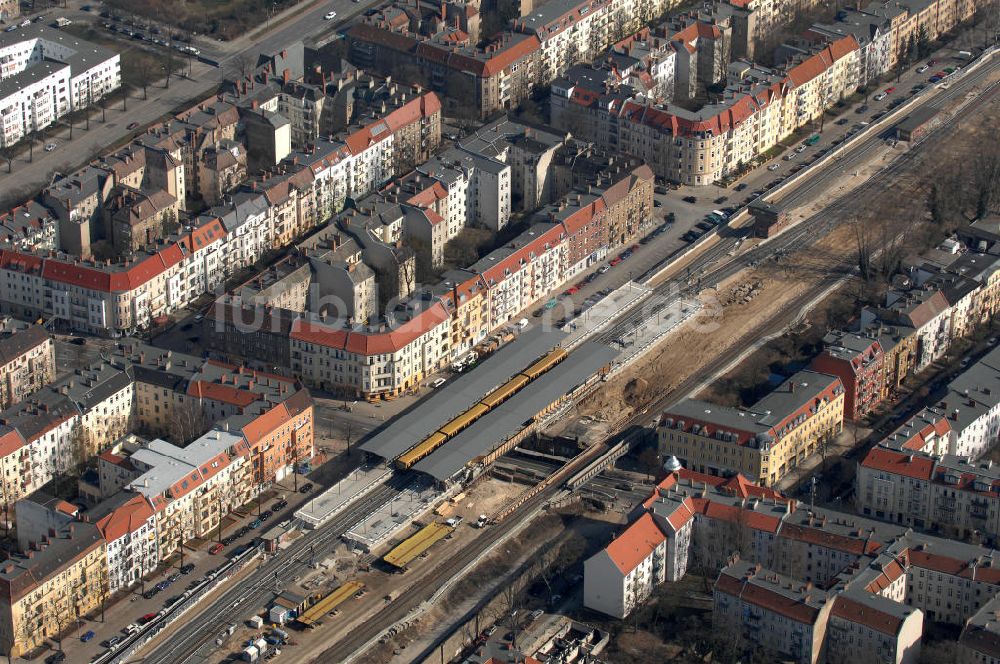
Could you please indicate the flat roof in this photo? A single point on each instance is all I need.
(458, 395)
(483, 436)
(415, 545)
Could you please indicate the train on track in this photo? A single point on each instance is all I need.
(496, 397)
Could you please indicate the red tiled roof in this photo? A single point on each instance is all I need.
(758, 594)
(635, 544)
(899, 463)
(953, 566)
(371, 343)
(11, 442)
(816, 64)
(125, 519)
(265, 424)
(862, 614)
(815, 535)
(230, 394)
(890, 573)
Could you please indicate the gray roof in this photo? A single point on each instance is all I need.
(22, 574)
(456, 396)
(541, 16)
(169, 464)
(83, 55)
(18, 337)
(792, 395)
(33, 74)
(487, 433)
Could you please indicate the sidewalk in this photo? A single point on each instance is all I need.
(27, 178)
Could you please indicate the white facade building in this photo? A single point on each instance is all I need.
(46, 74)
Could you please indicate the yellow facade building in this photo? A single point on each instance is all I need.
(763, 442)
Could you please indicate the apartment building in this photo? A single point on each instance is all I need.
(865, 622)
(811, 584)
(623, 575)
(47, 74)
(191, 489)
(349, 346)
(764, 441)
(541, 45)
(46, 588)
(758, 108)
(979, 642)
(9, 10)
(27, 360)
(128, 526)
(770, 613)
(946, 494)
(859, 363)
(30, 227)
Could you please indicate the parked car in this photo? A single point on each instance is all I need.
(841, 122)
(922, 68)
(255, 524)
(280, 505)
(146, 618)
(187, 568)
(306, 488)
(87, 636)
(720, 200)
(329, 16)
(112, 642)
(880, 96)
(217, 548)
(60, 656)
(741, 186)
(861, 109)
(774, 167)
(890, 90)
(132, 125)
(690, 199)
(49, 147)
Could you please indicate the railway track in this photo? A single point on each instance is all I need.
(714, 265)
(240, 601)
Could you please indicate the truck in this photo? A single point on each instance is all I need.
(250, 654)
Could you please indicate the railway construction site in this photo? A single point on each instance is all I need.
(790, 273)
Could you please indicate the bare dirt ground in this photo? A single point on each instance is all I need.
(775, 283)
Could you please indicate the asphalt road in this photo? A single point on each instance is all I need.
(28, 177)
(713, 266)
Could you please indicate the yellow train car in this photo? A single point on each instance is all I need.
(416, 545)
(312, 616)
(546, 363)
(452, 428)
(422, 449)
(505, 391)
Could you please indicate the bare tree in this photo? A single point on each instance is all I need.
(144, 76)
(243, 63)
(8, 154)
(987, 176)
(864, 246)
(188, 421)
(169, 66)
